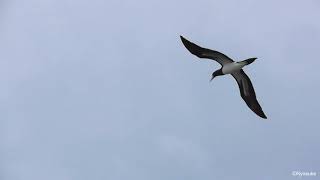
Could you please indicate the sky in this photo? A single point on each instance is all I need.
(106, 90)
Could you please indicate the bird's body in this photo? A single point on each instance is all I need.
(230, 67)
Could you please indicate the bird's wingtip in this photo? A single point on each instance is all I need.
(184, 41)
(182, 38)
(263, 116)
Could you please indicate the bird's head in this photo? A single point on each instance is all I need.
(216, 73)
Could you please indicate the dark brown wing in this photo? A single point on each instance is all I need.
(206, 53)
(247, 92)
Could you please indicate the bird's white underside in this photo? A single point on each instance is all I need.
(232, 67)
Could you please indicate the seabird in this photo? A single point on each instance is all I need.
(230, 67)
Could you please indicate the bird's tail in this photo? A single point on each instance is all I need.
(248, 61)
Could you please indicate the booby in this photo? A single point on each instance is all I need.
(230, 67)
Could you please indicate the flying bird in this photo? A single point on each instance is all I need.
(230, 67)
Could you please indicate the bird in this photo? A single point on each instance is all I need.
(229, 66)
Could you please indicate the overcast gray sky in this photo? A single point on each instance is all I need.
(105, 90)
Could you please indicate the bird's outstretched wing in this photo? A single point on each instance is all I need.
(206, 53)
(247, 92)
